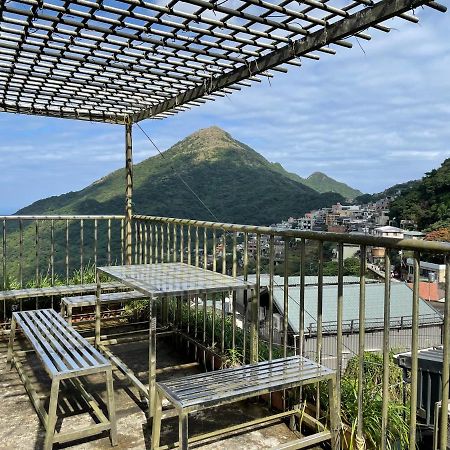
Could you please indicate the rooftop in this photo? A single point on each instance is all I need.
(400, 306)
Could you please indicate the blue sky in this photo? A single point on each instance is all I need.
(371, 117)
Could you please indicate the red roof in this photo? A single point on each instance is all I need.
(429, 291)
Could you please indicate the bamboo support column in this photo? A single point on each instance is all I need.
(128, 191)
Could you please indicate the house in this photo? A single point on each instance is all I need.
(389, 232)
(417, 235)
(427, 269)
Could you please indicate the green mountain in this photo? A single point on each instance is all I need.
(323, 183)
(392, 191)
(427, 201)
(234, 181)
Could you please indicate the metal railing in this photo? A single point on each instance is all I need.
(239, 250)
(47, 250)
(55, 246)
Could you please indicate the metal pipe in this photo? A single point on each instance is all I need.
(301, 319)
(340, 311)
(270, 312)
(319, 322)
(414, 352)
(386, 350)
(368, 240)
(446, 359)
(128, 190)
(361, 343)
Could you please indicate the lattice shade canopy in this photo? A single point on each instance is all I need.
(124, 61)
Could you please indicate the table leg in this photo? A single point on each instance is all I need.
(12, 335)
(254, 327)
(151, 358)
(97, 310)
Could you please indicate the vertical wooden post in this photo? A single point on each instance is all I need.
(128, 191)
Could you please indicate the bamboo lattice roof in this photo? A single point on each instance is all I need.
(128, 60)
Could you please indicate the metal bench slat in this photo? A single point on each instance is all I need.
(260, 368)
(70, 350)
(16, 294)
(212, 387)
(82, 342)
(219, 391)
(74, 344)
(56, 360)
(50, 367)
(257, 366)
(192, 390)
(90, 300)
(57, 343)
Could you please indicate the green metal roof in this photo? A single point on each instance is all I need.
(401, 307)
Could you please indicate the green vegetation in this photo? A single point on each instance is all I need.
(427, 202)
(323, 183)
(398, 413)
(389, 192)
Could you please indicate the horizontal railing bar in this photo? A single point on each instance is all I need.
(64, 217)
(391, 243)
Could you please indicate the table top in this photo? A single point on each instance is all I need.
(166, 279)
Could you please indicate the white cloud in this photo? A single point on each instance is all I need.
(370, 119)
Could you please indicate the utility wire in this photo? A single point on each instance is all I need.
(178, 175)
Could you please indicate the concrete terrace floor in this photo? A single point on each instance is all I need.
(20, 426)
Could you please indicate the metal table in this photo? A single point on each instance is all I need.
(162, 280)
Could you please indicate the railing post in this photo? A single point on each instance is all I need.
(128, 191)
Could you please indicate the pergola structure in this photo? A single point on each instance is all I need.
(123, 61)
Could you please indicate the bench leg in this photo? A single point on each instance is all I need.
(12, 336)
(51, 418)
(183, 431)
(335, 425)
(98, 310)
(111, 408)
(156, 427)
(69, 315)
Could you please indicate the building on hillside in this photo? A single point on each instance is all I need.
(376, 254)
(400, 333)
(389, 232)
(427, 270)
(416, 235)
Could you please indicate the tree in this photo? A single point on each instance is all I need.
(441, 234)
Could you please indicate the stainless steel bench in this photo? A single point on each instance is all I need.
(20, 294)
(207, 390)
(68, 303)
(66, 356)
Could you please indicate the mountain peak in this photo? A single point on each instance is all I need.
(212, 144)
(317, 175)
(212, 132)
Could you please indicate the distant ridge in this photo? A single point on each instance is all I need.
(236, 182)
(321, 182)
